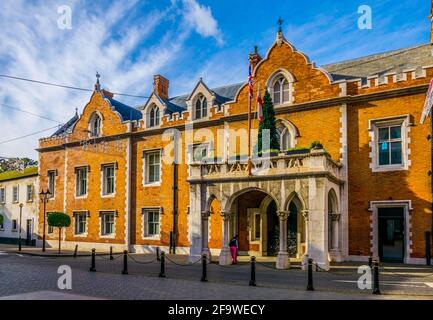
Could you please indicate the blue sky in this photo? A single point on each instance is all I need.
(130, 41)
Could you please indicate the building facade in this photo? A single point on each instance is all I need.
(18, 192)
(350, 179)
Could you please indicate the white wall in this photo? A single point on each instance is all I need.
(11, 211)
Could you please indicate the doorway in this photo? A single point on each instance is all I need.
(391, 234)
(29, 232)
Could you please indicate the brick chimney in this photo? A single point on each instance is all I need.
(254, 59)
(160, 86)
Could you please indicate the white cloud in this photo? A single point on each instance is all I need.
(201, 19)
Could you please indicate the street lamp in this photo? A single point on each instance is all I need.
(19, 236)
(44, 195)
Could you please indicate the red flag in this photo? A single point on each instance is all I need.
(428, 103)
(259, 107)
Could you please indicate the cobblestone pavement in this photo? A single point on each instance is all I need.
(24, 274)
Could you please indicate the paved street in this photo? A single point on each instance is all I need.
(37, 277)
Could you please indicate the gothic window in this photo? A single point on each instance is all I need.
(286, 135)
(281, 90)
(201, 108)
(154, 117)
(95, 125)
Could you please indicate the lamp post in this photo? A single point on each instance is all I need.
(19, 235)
(44, 195)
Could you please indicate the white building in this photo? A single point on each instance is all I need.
(19, 189)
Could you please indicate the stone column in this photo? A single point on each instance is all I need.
(205, 233)
(283, 261)
(335, 218)
(307, 238)
(225, 256)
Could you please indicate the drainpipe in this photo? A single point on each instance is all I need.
(175, 192)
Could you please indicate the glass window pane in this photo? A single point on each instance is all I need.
(204, 107)
(396, 153)
(198, 109)
(396, 132)
(383, 153)
(383, 134)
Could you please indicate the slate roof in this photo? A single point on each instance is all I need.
(377, 64)
(382, 63)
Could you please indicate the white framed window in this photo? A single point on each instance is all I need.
(154, 117)
(29, 193)
(199, 152)
(107, 223)
(50, 229)
(51, 183)
(152, 167)
(15, 194)
(95, 124)
(151, 222)
(14, 224)
(81, 181)
(200, 107)
(389, 144)
(108, 179)
(3, 195)
(281, 90)
(80, 223)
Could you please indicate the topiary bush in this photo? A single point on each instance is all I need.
(59, 220)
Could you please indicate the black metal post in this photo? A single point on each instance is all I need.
(162, 272)
(45, 219)
(111, 253)
(125, 262)
(253, 272)
(75, 251)
(370, 262)
(376, 289)
(427, 247)
(310, 275)
(204, 270)
(171, 242)
(158, 258)
(93, 266)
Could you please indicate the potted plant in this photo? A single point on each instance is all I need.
(59, 220)
(316, 145)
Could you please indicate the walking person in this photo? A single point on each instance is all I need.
(234, 245)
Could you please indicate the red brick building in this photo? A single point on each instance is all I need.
(174, 171)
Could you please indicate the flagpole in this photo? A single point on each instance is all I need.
(249, 134)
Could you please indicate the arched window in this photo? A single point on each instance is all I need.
(201, 108)
(287, 134)
(333, 221)
(95, 125)
(154, 117)
(281, 90)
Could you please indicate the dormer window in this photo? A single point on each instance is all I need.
(281, 90)
(201, 108)
(95, 125)
(154, 116)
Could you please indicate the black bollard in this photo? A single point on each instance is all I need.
(75, 251)
(125, 262)
(253, 272)
(310, 275)
(111, 253)
(427, 247)
(204, 270)
(93, 266)
(370, 262)
(376, 289)
(162, 272)
(158, 258)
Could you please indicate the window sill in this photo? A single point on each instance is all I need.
(81, 235)
(107, 236)
(152, 238)
(153, 184)
(29, 201)
(84, 196)
(389, 168)
(111, 195)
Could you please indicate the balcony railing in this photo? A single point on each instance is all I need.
(313, 162)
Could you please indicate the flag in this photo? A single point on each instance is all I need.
(259, 107)
(250, 83)
(428, 103)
